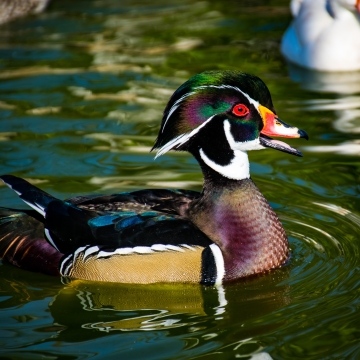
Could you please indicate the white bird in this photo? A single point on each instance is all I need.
(324, 35)
(12, 9)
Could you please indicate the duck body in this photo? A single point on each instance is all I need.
(226, 232)
(324, 35)
(262, 243)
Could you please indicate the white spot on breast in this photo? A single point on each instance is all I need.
(219, 262)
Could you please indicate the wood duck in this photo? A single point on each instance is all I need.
(324, 35)
(226, 232)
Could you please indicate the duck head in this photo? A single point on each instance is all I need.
(218, 116)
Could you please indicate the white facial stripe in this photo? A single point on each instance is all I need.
(250, 99)
(172, 143)
(238, 169)
(177, 102)
(243, 146)
(181, 139)
(175, 106)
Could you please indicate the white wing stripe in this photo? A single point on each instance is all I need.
(35, 207)
(50, 239)
(89, 251)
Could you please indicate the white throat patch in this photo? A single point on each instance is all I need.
(239, 167)
(241, 145)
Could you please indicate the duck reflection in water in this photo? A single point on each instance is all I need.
(92, 310)
(346, 104)
(122, 307)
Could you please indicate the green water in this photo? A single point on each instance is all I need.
(82, 89)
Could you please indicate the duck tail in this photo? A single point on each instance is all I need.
(22, 242)
(65, 226)
(30, 194)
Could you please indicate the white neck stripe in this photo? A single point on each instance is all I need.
(238, 169)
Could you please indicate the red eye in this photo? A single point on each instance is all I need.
(240, 110)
